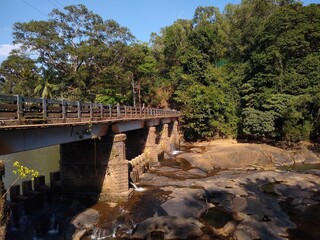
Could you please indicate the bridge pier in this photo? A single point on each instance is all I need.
(151, 147)
(164, 145)
(115, 185)
(99, 166)
(174, 135)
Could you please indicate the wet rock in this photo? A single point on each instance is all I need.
(226, 230)
(196, 171)
(185, 202)
(169, 227)
(196, 150)
(228, 155)
(304, 155)
(86, 219)
(313, 171)
(241, 235)
(82, 223)
(239, 203)
(148, 176)
(198, 160)
(253, 198)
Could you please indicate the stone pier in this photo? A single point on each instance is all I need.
(104, 166)
(174, 136)
(164, 145)
(151, 147)
(115, 185)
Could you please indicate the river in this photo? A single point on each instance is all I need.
(281, 204)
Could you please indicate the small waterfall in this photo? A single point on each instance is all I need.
(98, 234)
(53, 226)
(35, 237)
(136, 188)
(123, 211)
(12, 223)
(174, 150)
(114, 231)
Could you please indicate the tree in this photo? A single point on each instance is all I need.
(74, 42)
(44, 88)
(283, 74)
(19, 74)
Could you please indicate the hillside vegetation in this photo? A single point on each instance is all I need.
(251, 70)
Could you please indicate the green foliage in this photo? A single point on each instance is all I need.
(258, 123)
(207, 112)
(19, 75)
(253, 69)
(283, 75)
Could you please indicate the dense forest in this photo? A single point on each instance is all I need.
(251, 70)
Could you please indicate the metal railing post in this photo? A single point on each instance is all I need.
(110, 111)
(19, 107)
(101, 110)
(64, 112)
(44, 108)
(118, 111)
(79, 109)
(91, 110)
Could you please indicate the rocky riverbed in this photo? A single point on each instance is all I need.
(214, 190)
(255, 201)
(221, 190)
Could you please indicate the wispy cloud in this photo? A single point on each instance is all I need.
(6, 48)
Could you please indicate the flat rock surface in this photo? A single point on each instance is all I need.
(168, 227)
(228, 154)
(257, 199)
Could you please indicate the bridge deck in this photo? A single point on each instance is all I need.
(18, 112)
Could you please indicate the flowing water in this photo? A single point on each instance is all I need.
(52, 220)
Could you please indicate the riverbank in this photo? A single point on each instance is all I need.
(236, 191)
(210, 190)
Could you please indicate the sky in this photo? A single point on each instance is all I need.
(142, 17)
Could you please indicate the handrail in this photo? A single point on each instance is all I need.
(26, 109)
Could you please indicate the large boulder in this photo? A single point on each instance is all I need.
(233, 155)
(168, 227)
(82, 223)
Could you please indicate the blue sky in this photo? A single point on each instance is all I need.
(141, 16)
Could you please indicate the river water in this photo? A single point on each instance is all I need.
(52, 220)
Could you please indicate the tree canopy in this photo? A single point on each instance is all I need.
(251, 70)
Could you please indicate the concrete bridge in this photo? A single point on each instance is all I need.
(102, 147)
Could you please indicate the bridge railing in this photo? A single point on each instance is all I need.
(20, 108)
